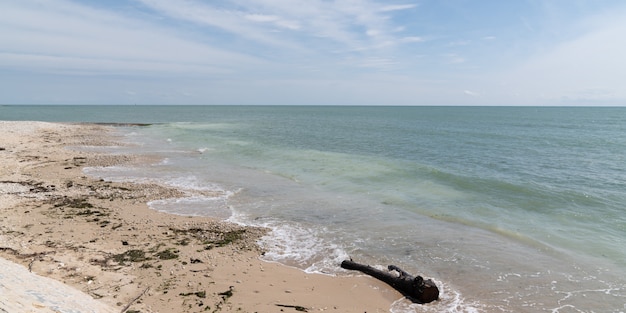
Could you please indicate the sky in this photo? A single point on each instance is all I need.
(313, 52)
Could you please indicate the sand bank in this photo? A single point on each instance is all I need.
(101, 239)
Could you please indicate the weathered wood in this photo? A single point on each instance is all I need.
(413, 287)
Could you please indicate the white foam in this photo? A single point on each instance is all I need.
(450, 301)
(164, 161)
(195, 205)
(237, 217)
(203, 198)
(192, 182)
(134, 174)
(302, 247)
(113, 173)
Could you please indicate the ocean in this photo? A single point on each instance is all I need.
(507, 209)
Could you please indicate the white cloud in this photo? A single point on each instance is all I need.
(219, 48)
(358, 25)
(579, 68)
(70, 38)
(453, 58)
(471, 93)
(412, 39)
(398, 7)
(277, 21)
(459, 43)
(380, 63)
(242, 24)
(262, 18)
(372, 32)
(293, 25)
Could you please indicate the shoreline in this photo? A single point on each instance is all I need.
(101, 238)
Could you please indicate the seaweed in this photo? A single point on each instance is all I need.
(167, 254)
(199, 294)
(89, 212)
(230, 237)
(133, 255)
(77, 203)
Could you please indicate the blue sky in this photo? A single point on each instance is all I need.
(316, 52)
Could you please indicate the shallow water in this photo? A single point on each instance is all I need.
(508, 209)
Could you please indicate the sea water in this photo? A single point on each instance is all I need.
(508, 209)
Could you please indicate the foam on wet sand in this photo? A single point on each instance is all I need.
(102, 241)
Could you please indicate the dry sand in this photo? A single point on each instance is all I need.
(101, 238)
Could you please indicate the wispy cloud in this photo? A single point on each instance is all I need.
(459, 43)
(240, 23)
(471, 93)
(191, 39)
(379, 63)
(588, 67)
(64, 36)
(398, 7)
(412, 39)
(290, 24)
(212, 50)
(453, 58)
(347, 25)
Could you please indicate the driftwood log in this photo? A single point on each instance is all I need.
(413, 287)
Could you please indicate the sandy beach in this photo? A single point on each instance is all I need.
(102, 239)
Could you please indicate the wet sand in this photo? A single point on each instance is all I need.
(102, 239)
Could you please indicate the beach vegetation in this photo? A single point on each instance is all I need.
(230, 237)
(146, 265)
(89, 212)
(199, 294)
(210, 238)
(166, 285)
(167, 254)
(12, 232)
(133, 255)
(156, 248)
(77, 203)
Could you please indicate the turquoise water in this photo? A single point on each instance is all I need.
(510, 209)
